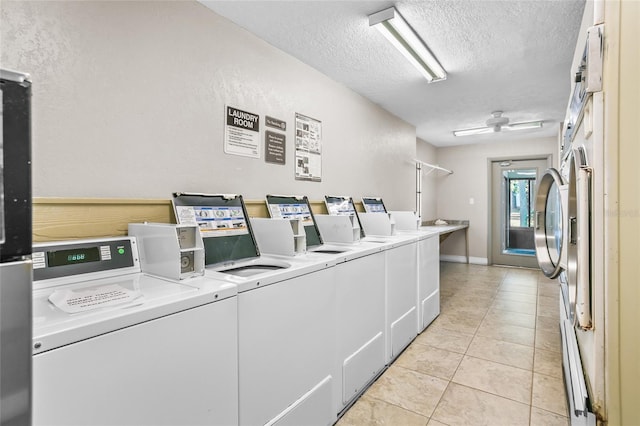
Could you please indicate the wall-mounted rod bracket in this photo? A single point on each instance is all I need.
(433, 167)
(419, 175)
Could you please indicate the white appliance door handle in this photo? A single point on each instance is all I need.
(573, 230)
(583, 299)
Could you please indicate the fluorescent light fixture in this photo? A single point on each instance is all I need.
(507, 127)
(523, 126)
(469, 132)
(402, 37)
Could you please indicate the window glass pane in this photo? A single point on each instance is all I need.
(520, 203)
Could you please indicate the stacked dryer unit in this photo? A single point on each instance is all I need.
(286, 316)
(569, 241)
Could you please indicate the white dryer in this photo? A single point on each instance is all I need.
(581, 222)
(562, 238)
(113, 346)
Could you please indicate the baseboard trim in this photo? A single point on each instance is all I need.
(463, 259)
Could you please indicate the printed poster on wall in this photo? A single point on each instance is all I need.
(275, 147)
(242, 133)
(275, 143)
(308, 164)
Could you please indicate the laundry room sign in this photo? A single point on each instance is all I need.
(242, 133)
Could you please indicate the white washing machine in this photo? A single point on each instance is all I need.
(286, 316)
(428, 264)
(360, 332)
(360, 289)
(298, 207)
(401, 287)
(428, 279)
(401, 280)
(113, 346)
(361, 327)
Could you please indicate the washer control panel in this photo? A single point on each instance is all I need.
(63, 259)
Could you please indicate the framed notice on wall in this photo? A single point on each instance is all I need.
(242, 133)
(308, 159)
(275, 143)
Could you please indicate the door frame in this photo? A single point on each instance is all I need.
(547, 157)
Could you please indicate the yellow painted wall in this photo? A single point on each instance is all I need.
(57, 219)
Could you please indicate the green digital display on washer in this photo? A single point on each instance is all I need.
(73, 256)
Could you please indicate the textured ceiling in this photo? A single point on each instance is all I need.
(509, 55)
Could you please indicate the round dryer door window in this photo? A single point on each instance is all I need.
(550, 223)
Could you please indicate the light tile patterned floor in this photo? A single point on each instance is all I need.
(492, 357)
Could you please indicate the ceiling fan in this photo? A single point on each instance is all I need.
(498, 123)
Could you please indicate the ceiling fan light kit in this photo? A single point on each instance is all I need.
(498, 123)
(395, 29)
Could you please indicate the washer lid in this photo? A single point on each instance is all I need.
(373, 205)
(296, 207)
(224, 225)
(98, 309)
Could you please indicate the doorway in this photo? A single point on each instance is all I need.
(513, 190)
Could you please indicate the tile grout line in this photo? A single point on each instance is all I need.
(397, 406)
(471, 356)
(460, 282)
(535, 349)
(456, 369)
(465, 354)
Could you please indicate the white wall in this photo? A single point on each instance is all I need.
(427, 153)
(129, 102)
(471, 179)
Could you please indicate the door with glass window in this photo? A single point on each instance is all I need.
(514, 186)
